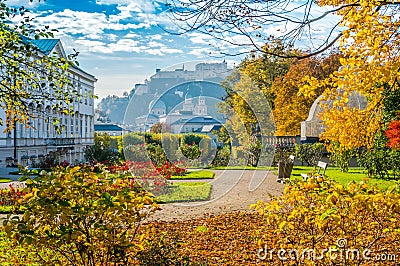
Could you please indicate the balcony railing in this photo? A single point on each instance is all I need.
(287, 141)
(60, 142)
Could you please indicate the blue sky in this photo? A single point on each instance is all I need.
(122, 42)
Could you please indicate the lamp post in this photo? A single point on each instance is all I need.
(15, 123)
(15, 142)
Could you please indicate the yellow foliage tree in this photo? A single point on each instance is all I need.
(290, 107)
(370, 43)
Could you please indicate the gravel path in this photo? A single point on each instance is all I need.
(233, 190)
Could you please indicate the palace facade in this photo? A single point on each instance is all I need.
(29, 146)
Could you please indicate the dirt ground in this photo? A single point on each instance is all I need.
(233, 190)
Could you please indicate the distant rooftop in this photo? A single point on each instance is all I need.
(45, 45)
(209, 128)
(197, 120)
(107, 127)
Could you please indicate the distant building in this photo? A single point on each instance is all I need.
(110, 129)
(190, 118)
(193, 125)
(32, 144)
(166, 89)
(145, 122)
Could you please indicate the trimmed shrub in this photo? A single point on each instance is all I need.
(309, 153)
(381, 162)
(105, 149)
(222, 157)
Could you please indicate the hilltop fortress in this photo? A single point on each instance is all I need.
(166, 97)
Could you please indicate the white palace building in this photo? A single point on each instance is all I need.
(28, 146)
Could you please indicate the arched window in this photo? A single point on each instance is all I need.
(39, 118)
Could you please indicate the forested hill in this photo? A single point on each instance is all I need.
(112, 108)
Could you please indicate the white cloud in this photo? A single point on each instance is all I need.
(75, 22)
(200, 38)
(155, 44)
(172, 51)
(113, 2)
(25, 3)
(156, 37)
(133, 9)
(111, 37)
(131, 35)
(125, 45)
(94, 46)
(201, 52)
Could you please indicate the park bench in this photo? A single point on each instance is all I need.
(321, 170)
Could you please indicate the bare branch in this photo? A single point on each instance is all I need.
(254, 19)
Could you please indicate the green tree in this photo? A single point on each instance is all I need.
(105, 149)
(29, 75)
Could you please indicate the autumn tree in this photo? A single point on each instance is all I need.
(248, 116)
(370, 64)
(264, 68)
(160, 127)
(29, 75)
(290, 107)
(365, 31)
(249, 87)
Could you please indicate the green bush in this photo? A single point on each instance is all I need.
(208, 150)
(309, 153)
(136, 153)
(341, 156)
(105, 149)
(132, 139)
(170, 144)
(153, 138)
(282, 154)
(191, 139)
(191, 152)
(222, 157)
(381, 162)
(156, 154)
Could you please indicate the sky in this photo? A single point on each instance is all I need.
(122, 42)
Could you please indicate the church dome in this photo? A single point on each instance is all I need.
(157, 104)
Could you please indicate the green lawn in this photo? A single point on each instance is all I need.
(201, 174)
(5, 180)
(188, 191)
(241, 167)
(355, 174)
